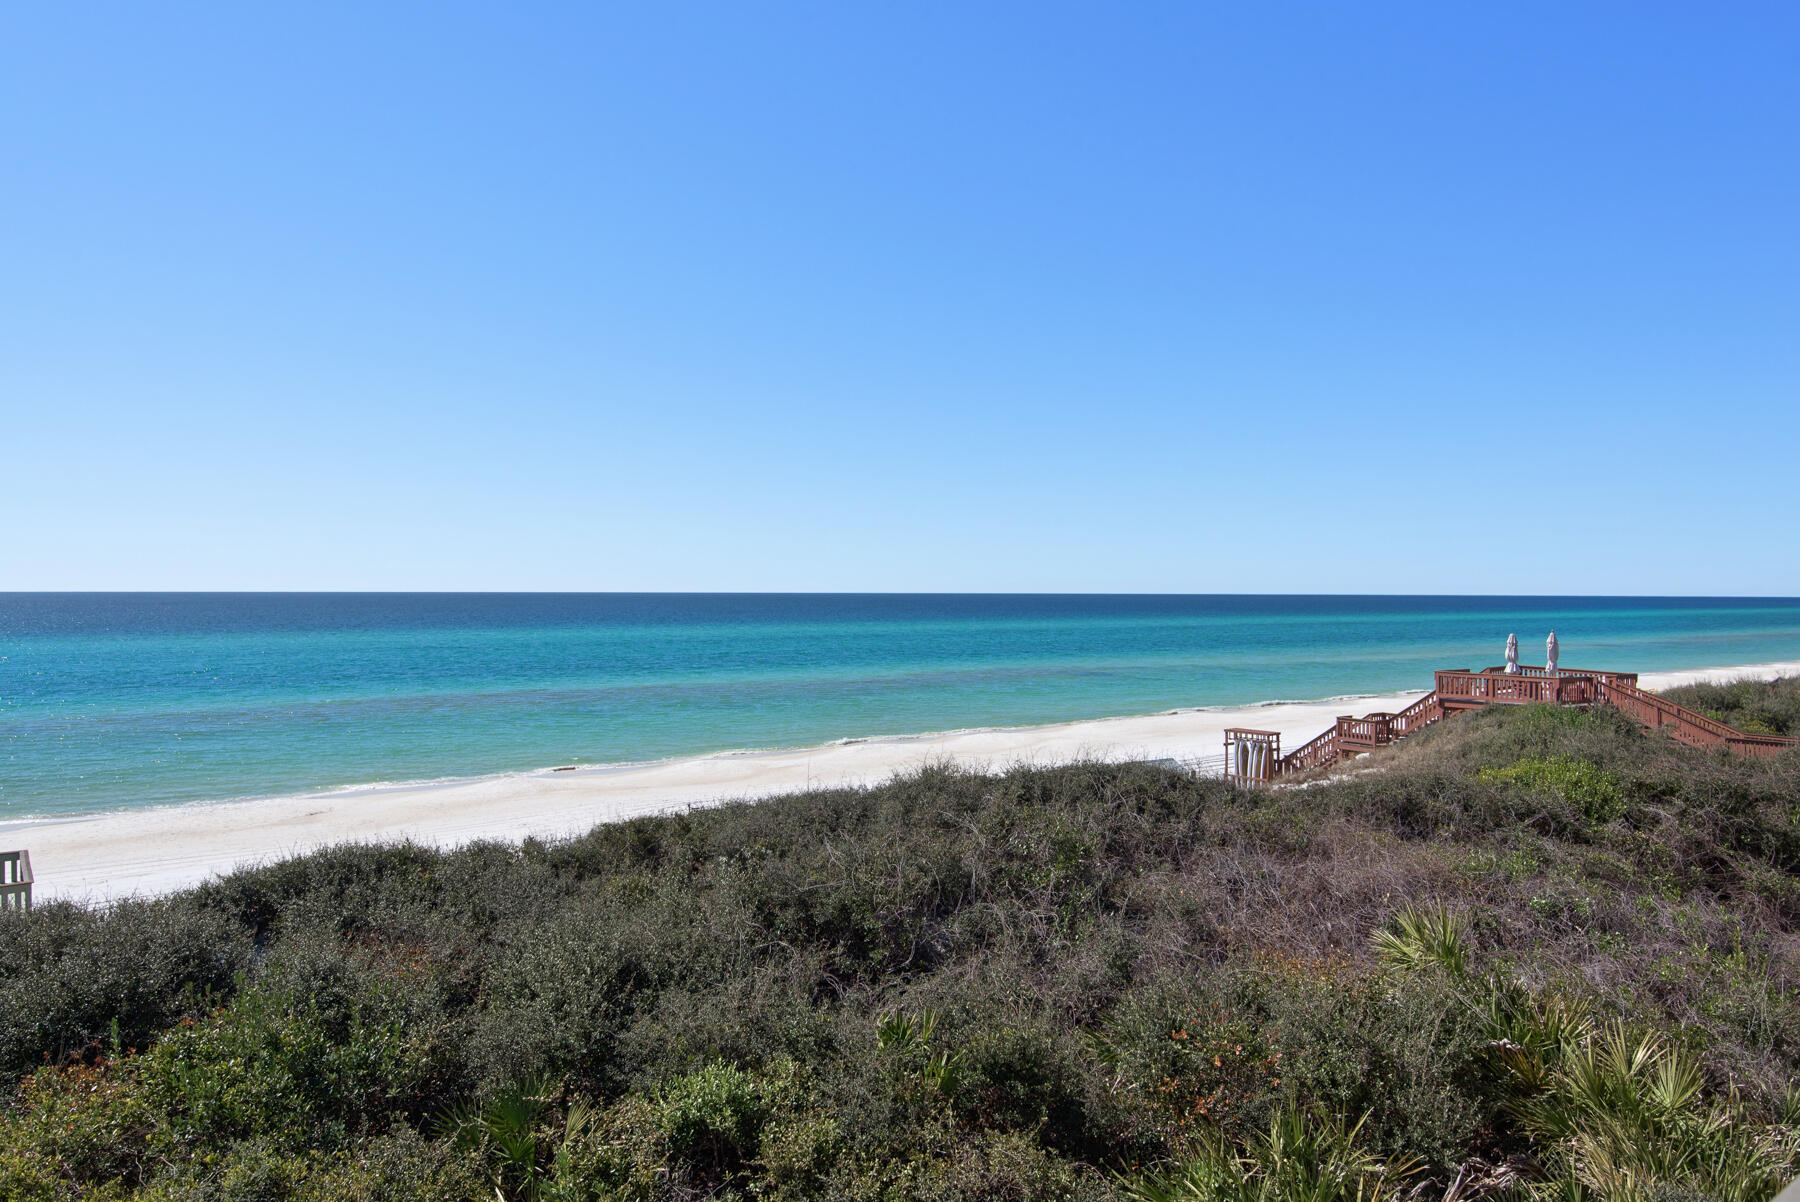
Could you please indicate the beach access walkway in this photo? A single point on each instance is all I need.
(1255, 755)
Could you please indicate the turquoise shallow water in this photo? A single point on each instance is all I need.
(113, 701)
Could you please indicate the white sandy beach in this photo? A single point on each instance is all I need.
(157, 850)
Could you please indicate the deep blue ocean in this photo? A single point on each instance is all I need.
(110, 701)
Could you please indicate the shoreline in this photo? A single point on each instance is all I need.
(32, 821)
(103, 857)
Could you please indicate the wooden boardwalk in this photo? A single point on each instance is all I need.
(1255, 755)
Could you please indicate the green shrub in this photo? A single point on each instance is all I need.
(713, 1118)
(1409, 1056)
(76, 1130)
(533, 1148)
(797, 1151)
(390, 1168)
(272, 1067)
(1580, 783)
(557, 999)
(1031, 1080)
(925, 1071)
(1003, 1166)
(619, 1153)
(1198, 1053)
(77, 977)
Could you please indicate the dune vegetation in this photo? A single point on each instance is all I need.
(1530, 953)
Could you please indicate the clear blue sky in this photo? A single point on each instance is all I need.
(1184, 297)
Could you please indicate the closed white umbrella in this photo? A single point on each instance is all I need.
(1550, 651)
(1512, 653)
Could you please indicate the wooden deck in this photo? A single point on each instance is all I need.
(1255, 755)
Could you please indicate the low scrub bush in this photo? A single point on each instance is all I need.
(1591, 789)
(76, 1130)
(79, 978)
(1532, 952)
(713, 1118)
(274, 1067)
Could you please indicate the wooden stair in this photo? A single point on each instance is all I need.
(1352, 735)
(1686, 726)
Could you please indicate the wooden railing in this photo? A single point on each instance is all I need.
(1420, 713)
(15, 880)
(1316, 754)
(1747, 744)
(1629, 678)
(1365, 733)
(1487, 688)
(1350, 735)
(1686, 726)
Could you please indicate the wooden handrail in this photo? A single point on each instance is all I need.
(1761, 744)
(1420, 713)
(1321, 750)
(1638, 699)
(1629, 678)
(1685, 725)
(1362, 734)
(1519, 688)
